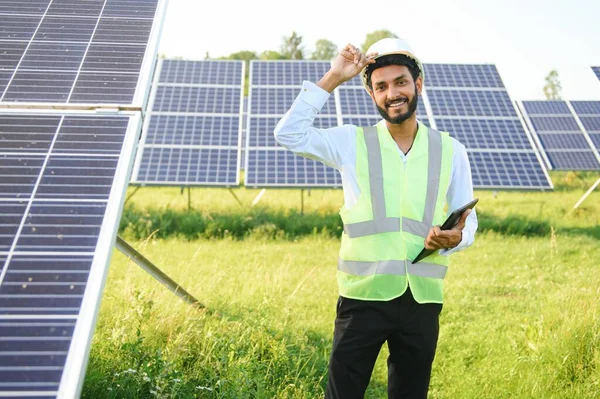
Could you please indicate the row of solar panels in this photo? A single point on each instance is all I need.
(64, 170)
(192, 135)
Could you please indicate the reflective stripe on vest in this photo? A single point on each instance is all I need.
(381, 223)
(397, 267)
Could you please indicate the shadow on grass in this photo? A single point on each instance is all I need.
(592, 231)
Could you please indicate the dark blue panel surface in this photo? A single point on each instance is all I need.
(193, 130)
(19, 174)
(564, 141)
(280, 167)
(546, 108)
(507, 170)
(260, 129)
(105, 40)
(573, 160)
(586, 107)
(486, 133)
(217, 72)
(554, 124)
(216, 100)
(457, 75)
(470, 103)
(277, 101)
(210, 166)
(287, 73)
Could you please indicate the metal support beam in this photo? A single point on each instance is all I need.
(131, 195)
(236, 197)
(587, 194)
(155, 272)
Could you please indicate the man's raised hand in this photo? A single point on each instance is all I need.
(346, 65)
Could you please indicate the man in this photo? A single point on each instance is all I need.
(398, 178)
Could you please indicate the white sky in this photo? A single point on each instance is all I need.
(524, 38)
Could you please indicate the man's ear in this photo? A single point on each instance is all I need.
(371, 94)
(419, 84)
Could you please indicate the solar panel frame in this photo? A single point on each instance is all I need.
(137, 85)
(143, 166)
(59, 238)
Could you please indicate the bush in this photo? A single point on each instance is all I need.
(277, 224)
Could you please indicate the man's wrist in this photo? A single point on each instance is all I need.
(330, 81)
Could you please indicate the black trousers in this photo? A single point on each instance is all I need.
(361, 328)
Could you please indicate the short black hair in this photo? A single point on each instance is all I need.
(393, 59)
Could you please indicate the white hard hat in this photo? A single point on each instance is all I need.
(389, 46)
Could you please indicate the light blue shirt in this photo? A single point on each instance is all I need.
(336, 147)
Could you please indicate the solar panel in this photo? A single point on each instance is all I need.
(274, 85)
(286, 72)
(560, 135)
(596, 70)
(73, 52)
(471, 103)
(588, 113)
(63, 177)
(192, 132)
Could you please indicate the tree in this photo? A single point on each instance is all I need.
(292, 48)
(552, 88)
(271, 55)
(375, 36)
(244, 55)
(324, 50)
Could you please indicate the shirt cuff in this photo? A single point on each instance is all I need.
(313, 95)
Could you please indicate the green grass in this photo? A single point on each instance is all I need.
(521, 317)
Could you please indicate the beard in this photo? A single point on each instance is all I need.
(412, 107)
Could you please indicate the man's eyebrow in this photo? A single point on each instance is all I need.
(403, 76)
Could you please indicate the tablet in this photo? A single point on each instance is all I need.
(450, 222)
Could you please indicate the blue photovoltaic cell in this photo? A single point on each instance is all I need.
(564, 141)
(280, 167)
(286, 73)
(277, 101)
(486, 133)
(356, 101)
(193, 130)
(459, 76)
(186, 99)
(71, 51)
(262, 129)
(193, 133)
(596, 70)
(211, 72)
(551, 123)
(589, 115)
(207, 166)
(586, 107)
(560, 136)
(470, 103)
(547, 108)
(507, 170)
(56, 178)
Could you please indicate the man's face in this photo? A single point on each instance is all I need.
(395, 92)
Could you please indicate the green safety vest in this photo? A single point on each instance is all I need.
(398, 204)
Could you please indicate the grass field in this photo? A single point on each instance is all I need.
(521, 317)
